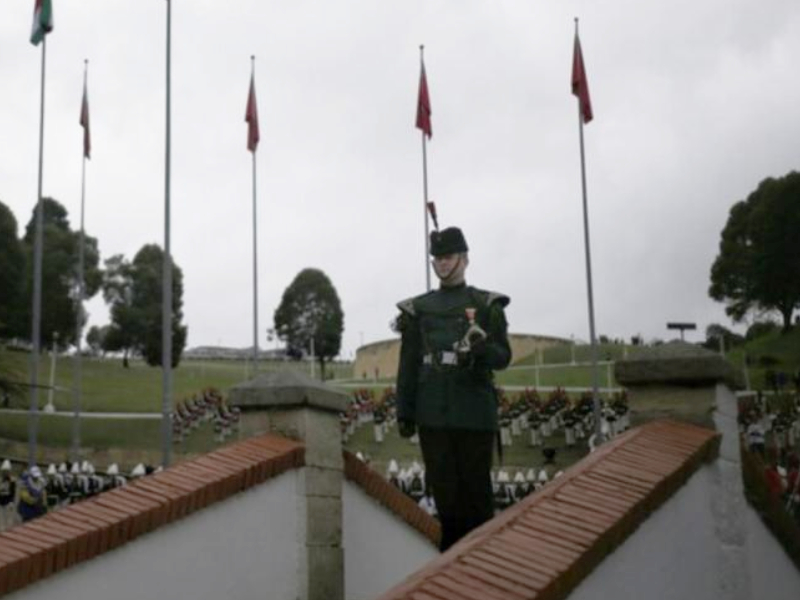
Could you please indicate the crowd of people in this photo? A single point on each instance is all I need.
(37, 489)
(770, 427)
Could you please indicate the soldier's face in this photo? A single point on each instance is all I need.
(444, 264)
(450, 268)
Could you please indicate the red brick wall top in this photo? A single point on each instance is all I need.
(377, 487)
(81, 531)
(545, 545)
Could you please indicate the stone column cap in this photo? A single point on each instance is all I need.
(287, 387)
(676, 363)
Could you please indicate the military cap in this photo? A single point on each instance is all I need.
(448, 241)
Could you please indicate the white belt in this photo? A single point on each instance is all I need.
(444, 358)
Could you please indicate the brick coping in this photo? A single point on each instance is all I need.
(81, 531)
(544, 546)
(78, 532)
(378, 488)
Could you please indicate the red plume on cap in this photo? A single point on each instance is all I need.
(432, 211)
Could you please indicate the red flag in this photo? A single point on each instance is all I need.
(580, 86)
(251, 117)
(87, 140)
(424, 105)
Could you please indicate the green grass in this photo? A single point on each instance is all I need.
(782, 347)
(103, 434)
(108, 386)
(568, 376)
(562, 354)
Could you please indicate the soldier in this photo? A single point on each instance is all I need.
(521, 487)
(503, 496)
(453, 339)
(8, 492)
(54, 487)
(534, 423)
(569, 428)
(393, 474)
(416, 487)
(32, 496)
(379, 418)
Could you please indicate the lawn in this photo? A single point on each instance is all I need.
(108, 386)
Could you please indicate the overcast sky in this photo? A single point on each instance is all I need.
(695, 102)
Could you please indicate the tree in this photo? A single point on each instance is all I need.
(12, 276)
(134, 293)
(59, 274)
(757, 267)
(716, 332)
(96, 339)
(310, 309)
(122, 334)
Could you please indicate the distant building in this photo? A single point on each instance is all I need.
(378, 360)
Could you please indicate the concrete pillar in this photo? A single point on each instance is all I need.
(675, 380)
(293, 405)
(688, 383)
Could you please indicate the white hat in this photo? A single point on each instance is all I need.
(51, 469)
(62, 468)
(530, 475)
(138, 470)
(519, 477)
(416, 468)
(543, 476)
(394, 468)
(502, 477)
(86, 466)
(36, 472)
(113, 469)
(76, 469)
(360, 456)
(6, 466)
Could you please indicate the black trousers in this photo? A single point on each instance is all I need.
(458, 465)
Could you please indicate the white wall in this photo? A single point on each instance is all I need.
(240, 549)
(380, 549)
(670, 556)
(705, 543)
(773, 574)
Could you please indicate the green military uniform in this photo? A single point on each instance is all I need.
(450, 397)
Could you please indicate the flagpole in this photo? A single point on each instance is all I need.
(589, 291)
(166, 307)
(36, 320)
(255, 246)
(425, 193)
(78, 384)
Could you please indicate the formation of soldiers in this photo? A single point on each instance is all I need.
(506, 489)
(36, 490)
(528, 416)
(365, 409)
(525, 417)
(210, 406)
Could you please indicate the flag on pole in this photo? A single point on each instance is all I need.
(251, 117)
(424, 105)
(580, 86)
(87, 140)
(42, 20)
